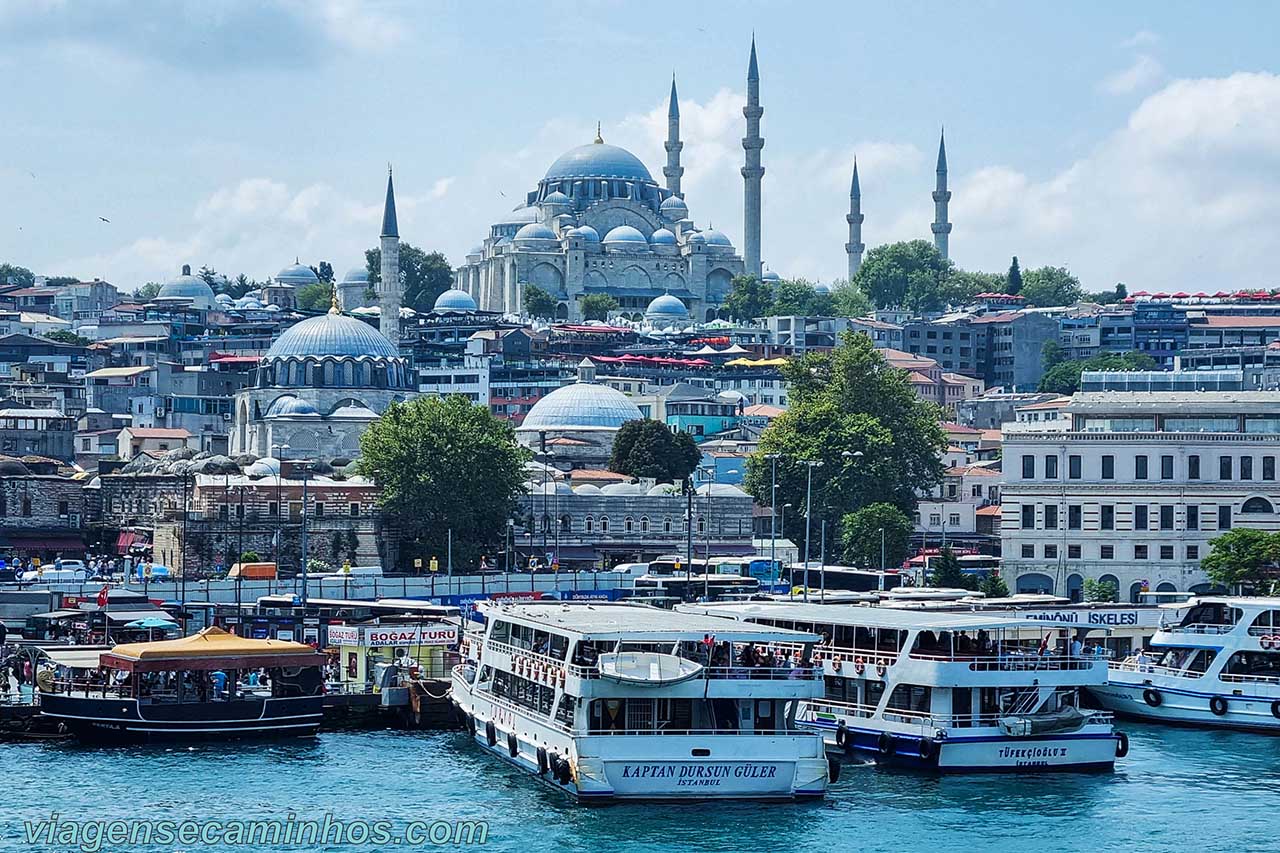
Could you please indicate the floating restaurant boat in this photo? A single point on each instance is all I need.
(1216, 664)
(191, 689)
(623, 701)
(950, 692)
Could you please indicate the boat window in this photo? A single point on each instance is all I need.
(566, 709)
(1191, 660)
(501, 632)
(1212, 613)
(1267, 621)
(837, 688)
(872, 691)
(1201, 661)
(1253, 665)
(910, 697)
(559, 646)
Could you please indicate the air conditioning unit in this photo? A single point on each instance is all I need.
(159, 412)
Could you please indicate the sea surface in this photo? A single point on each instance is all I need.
(1179, 789)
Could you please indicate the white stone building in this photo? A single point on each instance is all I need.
(1137, 488)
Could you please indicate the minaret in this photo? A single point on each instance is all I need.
(855, 246)
(752, 172)
(941, 227)
(673, 170)
(389, 291)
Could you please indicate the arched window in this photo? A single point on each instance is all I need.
(604, 524)
(1115, 585)
(666, 524)
(628, 524)
(644, 524)
(1034, 582)
(566, 524)
(349, 374)
(1135, 590)
(702, 524)
(310, 374)
(1075, 588)
(546, 524)
(589, 524)
(1166, 587)
(1257, 505)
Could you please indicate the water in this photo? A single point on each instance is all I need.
(1178, 789)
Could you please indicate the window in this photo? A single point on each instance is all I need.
(1246, 467)
(319, 509)
(1166, 518)
(1074, 517)
(1166, 552)
(954, 519)
(1028, 467)
(1193, 467)
(1107, 552)
(1166, 467)
(1268, 467)
(935, 519)
(353, 509)
(604, 524)
(702, 525)
(273, 508)
(666, 524)
(1108, 517)
(1051, 467)
(628, 525)
(644, 524)
(1224, 517)
(1073, 552)
(1050, 516)
(1108, 467)
(1028, 517)
(1193, 518)
(1073, 467)
(589, 524)
(1028, 551)
(1257, 505)
(1140, 513)
(1051, 552)
(1139, 552)
(1139, 467)
(1224, 467)
(1193, 552)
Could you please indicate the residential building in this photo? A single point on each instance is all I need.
(131, 441)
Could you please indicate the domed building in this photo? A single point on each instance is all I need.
(666, 311)
(586, 414)
(650, 247)
(318, 388)
(187, 290)
(353, 288)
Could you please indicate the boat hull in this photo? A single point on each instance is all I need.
(1185, 706)
(123, 720)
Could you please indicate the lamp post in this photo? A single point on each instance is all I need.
(773, 510)
(508, 543)
(305, 470)
(808, 513)
(881, 579)
(782, 530)
(853, 457)
(275, 556)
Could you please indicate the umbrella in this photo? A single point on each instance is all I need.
(152, 622)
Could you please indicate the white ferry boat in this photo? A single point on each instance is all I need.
(1216, 664)
(949, 691)
(620, 701)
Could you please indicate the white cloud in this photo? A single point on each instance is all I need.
(1142, 38)
(1144, 72)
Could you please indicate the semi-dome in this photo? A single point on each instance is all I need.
(454, 299)
(662, 490)
(667, 306)
(188, 286)
(717, 238)
(290, 407)
(721, 490)
(581, 406)
(556, 197)
(663, 237)
(599, 160)
(535, 231)
(625, 235)
(297, 274)
(674, 208)
(586, 232)
(356, 275)
(224, 298)
(332, 335)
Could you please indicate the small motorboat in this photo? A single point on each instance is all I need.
(647, 668)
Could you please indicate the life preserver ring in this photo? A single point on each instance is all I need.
(1218, 706)
(513, 744)
(836, 664)
(881, 669)
(1275, 709)
(491, 733)
(927, 748)
(1122, 744)
(859, 666)
(542, 761)
(886, 744)
(842, 735)
(1152, 697)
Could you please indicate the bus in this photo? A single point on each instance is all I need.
(683, 588)
(844, 578)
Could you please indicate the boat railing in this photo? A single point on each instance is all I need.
(1247, 678)
(769, 673)
(878, 658)
(533, 657)
(1021, 661)
(543, 719)
(1152, 669)
(91, 690)
(1200, 628)
(1264, 631)
(699, 732)
(928, 720)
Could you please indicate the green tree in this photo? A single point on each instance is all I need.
(962, 285)
(315, 297)
(538, 302)
(850, 410)
(1064, 377)
(1013, 281)
(324, 272)
(849, 300)
(147, 292)
(353, 545)
(210, 277)
(14, 275)
(1096, 590)
(946, 572)
(60, 280)
(993, 586)
(426, 275)
(646, 448)
(799, 297)
(444, 464)
(598, 306)
(1048, 287)
(250, 557)
(1052, 354)
(1244, 559)
(748, 298)
(908, 275)
(860, 536)
(63, 336)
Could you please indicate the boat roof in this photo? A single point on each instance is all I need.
(859, 616)
(75, 657)
(636, 622)
(212, 648)
(1270, 602)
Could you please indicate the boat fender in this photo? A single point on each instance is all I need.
(542, 761)
(471, 724)
(833, 770)
(565, 772)
(842, 735)
(886, 744)
(513, 744)
(927, 748)
(1218, 706)
(1122, 744)
(1152, 697)
(553, 764)
(1275, 709)
(491, 733)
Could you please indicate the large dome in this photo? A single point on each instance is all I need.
(454, 299)
(188, 286)
(356, 275)
(332, 335)
(581, 406)
(599, 160)
(625, 235)
(666, 306)
(297, 274)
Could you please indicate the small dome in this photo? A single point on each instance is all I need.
(667, 307)
(10, 467)
(582, 405)
(721, 490)
(356, 275)
(628, 489)
(717, 238)
(697, 238)
(674, 208)
(663, 237)
(587, 489)
(770, 275)
(290, 407)
(476, 250)
(223, 298)
(556, 197)
(333, 335)
(586, 232)
(599, 160)
(354, 410)
(662, 490)
(297, 274)
(455, 300)
(188, 286)
(535, 231)
(551, 487)
(626, 236)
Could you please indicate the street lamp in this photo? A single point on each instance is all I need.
(881, 581)
(808, 513)
(773, 508)
(782, 531)
(279, 457)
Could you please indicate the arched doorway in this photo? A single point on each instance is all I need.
(1115, 585)
(1207, 589)
(1035, 583)
(1165, 586)
(1075, 588)
(1135, 590)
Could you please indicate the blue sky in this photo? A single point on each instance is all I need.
(1136, 142)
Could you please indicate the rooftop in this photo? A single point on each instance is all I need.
(866, 617)
(600, 620)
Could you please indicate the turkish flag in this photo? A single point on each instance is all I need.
(102, 595)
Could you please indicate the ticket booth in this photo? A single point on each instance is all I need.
(361, 648)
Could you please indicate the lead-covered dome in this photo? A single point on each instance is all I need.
(356, 275)
(297, 274)
(717, 238)
(581, 406)
(332, 335)
(599, 160)
(663, 237)
(454, 299)
(535, 231)
(625, 236)
(188, 286)
(291, 407)
(666, 306)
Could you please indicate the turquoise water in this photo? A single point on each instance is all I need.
(1178, 789)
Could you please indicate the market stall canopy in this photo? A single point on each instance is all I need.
(212, 648)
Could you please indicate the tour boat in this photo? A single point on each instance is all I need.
(1216, 664)
(616, 701)
(190, 689)
(950, 692)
